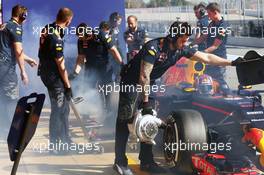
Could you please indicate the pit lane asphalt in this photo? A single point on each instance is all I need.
(36, 159)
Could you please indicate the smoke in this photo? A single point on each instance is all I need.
(31, 46)
(94, 102)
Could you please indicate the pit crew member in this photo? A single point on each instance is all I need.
(216, 40)
(152, 61)
(54, 75)
(135, 37)
(12, 53)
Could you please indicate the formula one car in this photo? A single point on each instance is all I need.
(207, 164)
(212, 120)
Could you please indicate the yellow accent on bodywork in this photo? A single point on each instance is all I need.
(189, 89)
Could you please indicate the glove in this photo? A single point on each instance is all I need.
(238, 61)
(123, 69)
(147, 108)
(68, 93)
(73, 75)
(122, 66)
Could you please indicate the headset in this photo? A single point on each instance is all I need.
(24, 14)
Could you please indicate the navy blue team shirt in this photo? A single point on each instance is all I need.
(158, 53)
(139, 39)
(219, 32)
(10, 32)
(51, 48)
(96, 49)
(202, 24)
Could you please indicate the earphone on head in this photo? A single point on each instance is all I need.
(24, 14)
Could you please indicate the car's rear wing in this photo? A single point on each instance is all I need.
(251, 71)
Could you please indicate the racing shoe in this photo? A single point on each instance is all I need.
(152, 168)
(122, 170)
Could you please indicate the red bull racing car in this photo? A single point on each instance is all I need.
(204, 131)
(214, 164)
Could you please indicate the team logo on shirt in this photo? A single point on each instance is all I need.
(59, 47)
(85, 44)
(163, 56)
(108, 38)
(152, 51)
(18, 31)
(222, 32)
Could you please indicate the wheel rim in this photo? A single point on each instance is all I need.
(171, 137)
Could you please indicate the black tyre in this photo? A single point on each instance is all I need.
(184, 127)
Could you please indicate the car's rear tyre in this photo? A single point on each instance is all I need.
(184, 127)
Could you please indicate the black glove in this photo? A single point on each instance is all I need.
(238, 61)
(123, 69)
(122, 66)
(73, 75)
(147, 108)
(68, 93)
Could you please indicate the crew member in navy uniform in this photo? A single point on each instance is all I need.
(93, 51)
(135, 37)
(152, 61)
(202, 23)
(86, 55)
(216, 40)
(55, 77)
(11, 53)
(115, 20)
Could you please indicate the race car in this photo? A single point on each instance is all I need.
(216, 164)
(209, 119)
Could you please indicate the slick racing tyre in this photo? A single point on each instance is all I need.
(184, 128)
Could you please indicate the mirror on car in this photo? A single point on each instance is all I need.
(244, 87)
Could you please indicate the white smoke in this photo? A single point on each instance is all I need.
(92, 105)
(31, 46)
